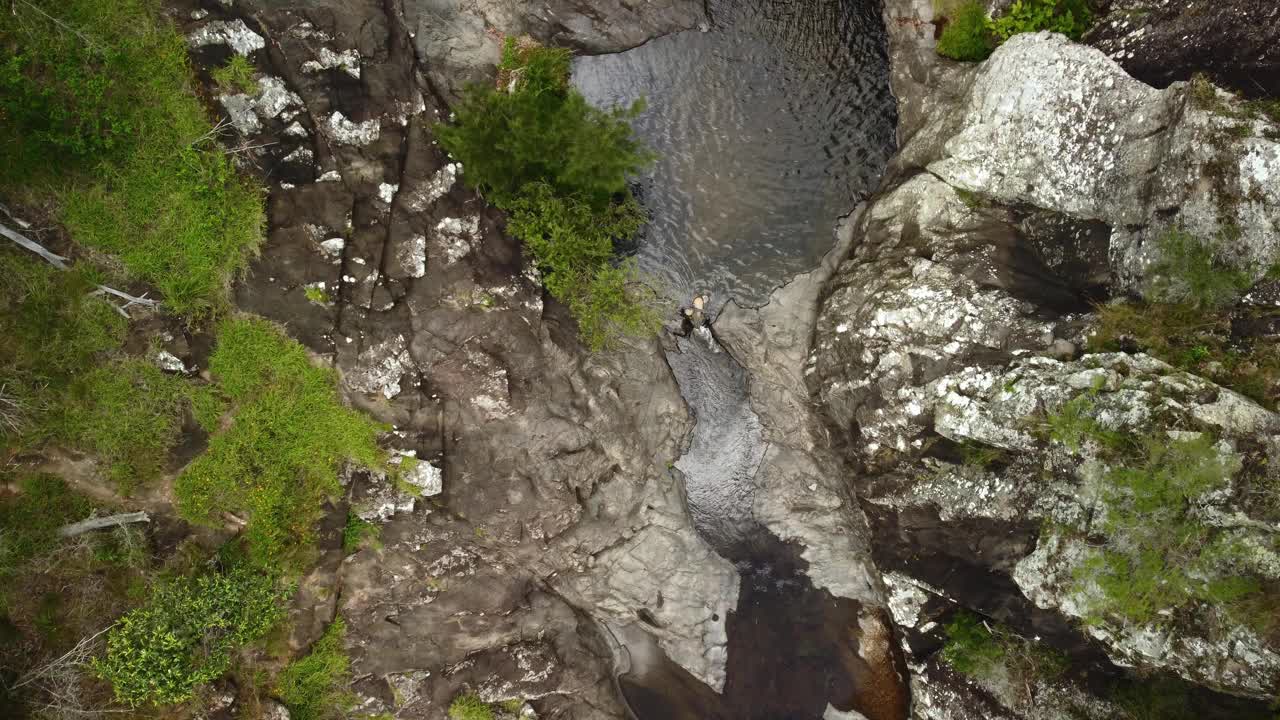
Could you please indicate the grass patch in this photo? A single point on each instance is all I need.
(559, 166)
(359, 533)
(277, 462)
(105, 120)
(1189, 321)
(1188, 272)
(30, 521)
(1193, 340)
(236, 75)
(53, 330)
(127, 413)
(315, 687)
(966, 36)
(469, 707)
(184, 635)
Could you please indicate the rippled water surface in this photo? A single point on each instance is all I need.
(767, 126)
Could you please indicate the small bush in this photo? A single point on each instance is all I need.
(469, 707)
(129, 414)
(185, 634)
(1068, 17)
(971, 36)
(560, 167)
(966, 36)
(971, 648)
(538, 129)
(1188, 273)
(573, 245)
(236, 75)
(315, 687)
(277, 463)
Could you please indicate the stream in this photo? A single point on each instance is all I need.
(768, 125)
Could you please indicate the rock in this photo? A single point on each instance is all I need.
(460, 42)
(274, 710)
(547, 513)
(1026, 189)
(1061, 127)
(1160, 42)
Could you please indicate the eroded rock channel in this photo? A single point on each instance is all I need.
(767, 515)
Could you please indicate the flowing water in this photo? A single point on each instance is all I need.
(767, 126)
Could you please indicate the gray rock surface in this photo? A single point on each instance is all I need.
(541, 511)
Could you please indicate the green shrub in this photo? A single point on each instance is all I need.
(542, 131)
(129, 414)
(617, 302)
(184, 636)
(1069, 17)
(236, 75)
(971, 36)
(469, 707)
(277, 463)
(29, 521)
(573, 246)
(560, 167)
(971, 648)
(966, 36)
(98, 93)
(1188, 273)
(315, 687)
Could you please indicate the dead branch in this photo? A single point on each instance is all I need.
(25, 242)
(130, 300)
(84, 526)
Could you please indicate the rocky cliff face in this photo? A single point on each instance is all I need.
(1026, 189)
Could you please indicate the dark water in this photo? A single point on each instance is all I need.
(767, 127)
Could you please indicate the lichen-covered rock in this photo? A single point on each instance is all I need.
(1044, 481)
(1060, 126)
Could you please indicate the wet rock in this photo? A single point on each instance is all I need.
(799, 497)
(461, 41)
(1159, 42)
